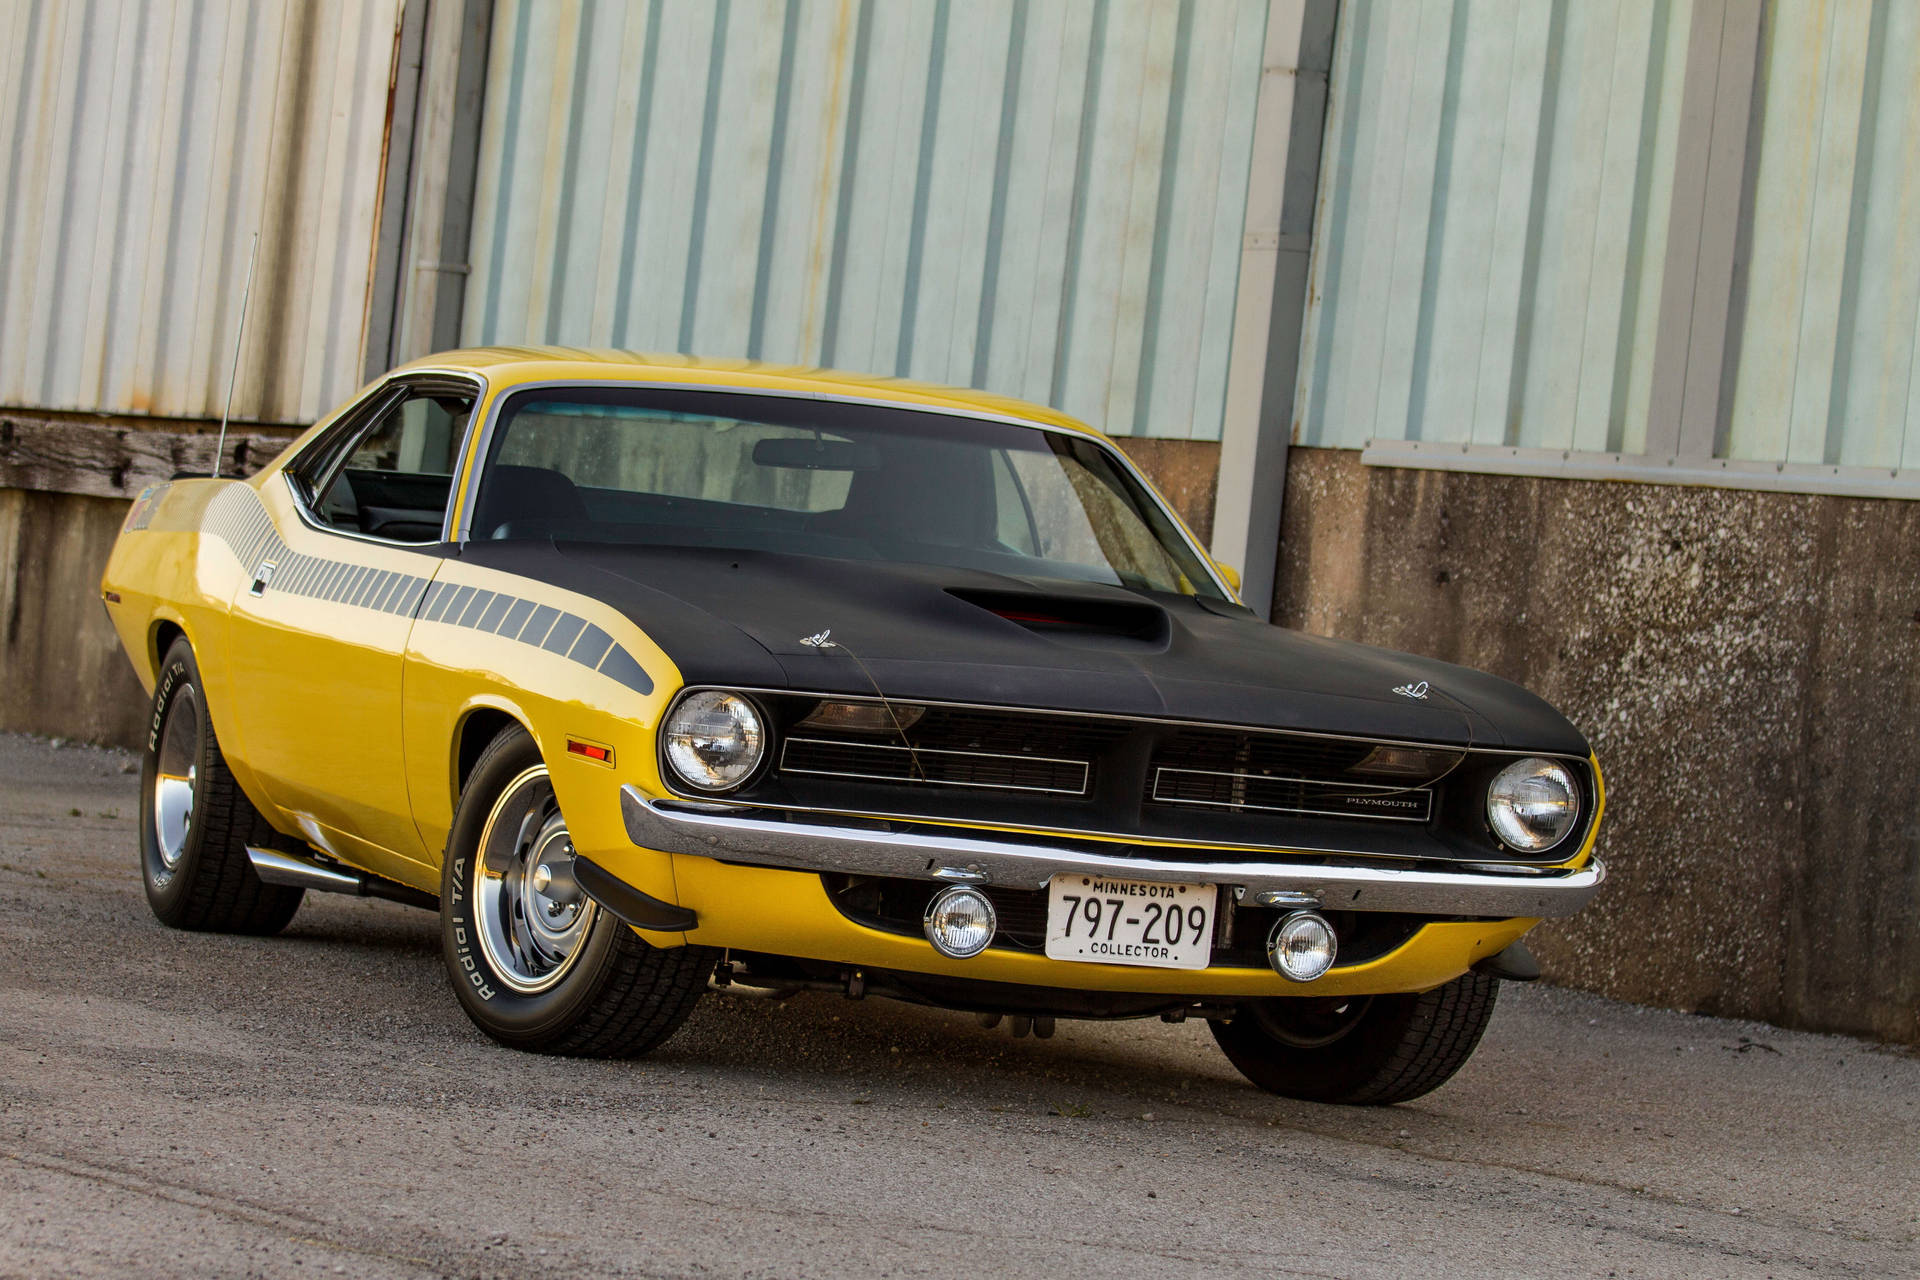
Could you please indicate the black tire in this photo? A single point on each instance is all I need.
(1363, 1051)
(612, 996)
(200, 877)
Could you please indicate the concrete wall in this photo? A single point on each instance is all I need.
(1748, 668)
(61, 669)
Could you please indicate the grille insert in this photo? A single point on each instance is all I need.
(935, 765)
(1290, 795)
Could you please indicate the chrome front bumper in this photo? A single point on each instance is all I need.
(732, 833)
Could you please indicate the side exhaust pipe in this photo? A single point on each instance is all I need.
(275, 867)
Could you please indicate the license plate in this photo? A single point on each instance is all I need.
(1166, 926)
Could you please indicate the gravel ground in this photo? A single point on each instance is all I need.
(316, 1103)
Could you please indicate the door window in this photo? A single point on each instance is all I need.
(397, 474)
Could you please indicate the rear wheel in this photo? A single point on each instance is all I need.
(1366, 1050)
(196, 823)
(536, 963)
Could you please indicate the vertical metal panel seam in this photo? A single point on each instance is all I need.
(16, 155)
(843, 212)
(276, 320)
(1650, 97)
(1800, 317)
(1162, 220)
(1436, 223)
(776, 166)
(997, 208)
(1743, 235)
(1536, 219)
(1856, 235)
(116, 267)
(230, 219)
(570, 169)
(341, 289)
(1077, 218)
(170, 256)
(63, 241)
(922, 183)
(636, 173)
(1593, 250)
(703, 177)
(1331, 237)
(516, 83)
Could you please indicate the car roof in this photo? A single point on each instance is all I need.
(505, 367)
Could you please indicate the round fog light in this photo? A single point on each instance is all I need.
(960, 922)
(1302, 946)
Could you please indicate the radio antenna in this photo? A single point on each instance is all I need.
(233, 373)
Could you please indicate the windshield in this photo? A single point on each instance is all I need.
(822, 478)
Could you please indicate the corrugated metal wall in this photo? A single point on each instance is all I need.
(141, 144)
(1492, 238)
(1832, 319)
(1044, 199)
(1495, 187)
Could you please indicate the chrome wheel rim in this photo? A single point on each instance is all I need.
(531, 916)
(1311, 1024)
(176, 776)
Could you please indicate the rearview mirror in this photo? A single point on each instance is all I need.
(803, 454)
(1231, 574)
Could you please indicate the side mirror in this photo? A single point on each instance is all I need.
(1231, 574)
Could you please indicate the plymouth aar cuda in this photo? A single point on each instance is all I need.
(656, 676)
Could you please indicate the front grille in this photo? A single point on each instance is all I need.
(1006, 772)
(1226, 793)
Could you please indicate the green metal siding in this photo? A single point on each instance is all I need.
(1044, 199)
(1832, 313)
(1492, 231)
(1492, 241)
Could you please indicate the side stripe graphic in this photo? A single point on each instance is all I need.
(237, 519)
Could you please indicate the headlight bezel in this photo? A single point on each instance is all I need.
(1525, 768)
(678, 779)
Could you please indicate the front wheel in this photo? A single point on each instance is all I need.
(536, 963)
(1363, 1050)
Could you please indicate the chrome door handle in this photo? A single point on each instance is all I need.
(261, 577)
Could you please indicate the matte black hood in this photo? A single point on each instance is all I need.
(932, 632)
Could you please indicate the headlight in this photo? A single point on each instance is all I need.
(714, 740)
(1532, 804)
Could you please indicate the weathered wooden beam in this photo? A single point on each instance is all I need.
(116, 458)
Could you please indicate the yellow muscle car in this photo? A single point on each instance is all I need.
(653, 676)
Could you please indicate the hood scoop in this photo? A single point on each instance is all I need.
(1080, 620)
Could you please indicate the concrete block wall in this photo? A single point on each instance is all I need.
(1747, 666)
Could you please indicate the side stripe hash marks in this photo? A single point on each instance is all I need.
(237, 519)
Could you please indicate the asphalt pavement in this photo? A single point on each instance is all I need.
(317, 1104)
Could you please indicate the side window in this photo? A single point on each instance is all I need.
(1013, 513)
(397, 475)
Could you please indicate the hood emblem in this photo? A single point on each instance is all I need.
(1406, 690)
(819, 640)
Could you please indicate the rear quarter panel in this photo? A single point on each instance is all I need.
(165, 571)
